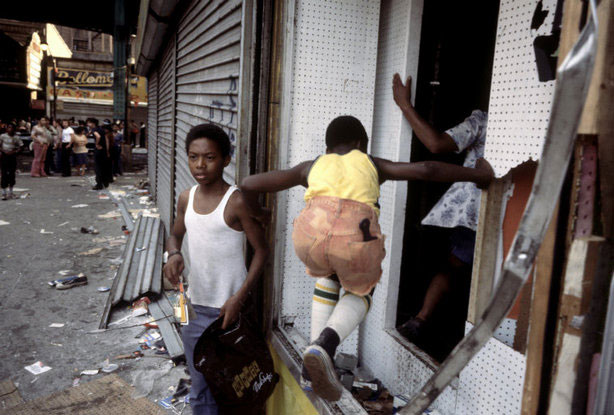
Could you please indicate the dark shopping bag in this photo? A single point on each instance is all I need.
(236, 363)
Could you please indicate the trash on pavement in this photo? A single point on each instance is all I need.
(45, 232)
(89, 229)
(90, 372)
(92, 251)
(75, 382)
(109, 367)
(140, 306)
(3, 222)
(62, 280)
(80, 205)
(80, 280)
(37, 368)
(103, 289)
(134, 355)
(25, 196)
(110, 215)
(56, 325)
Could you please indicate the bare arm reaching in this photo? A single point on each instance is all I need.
(435, 141)
(435, 171)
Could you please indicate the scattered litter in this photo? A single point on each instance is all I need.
(139, 307)
(103, 289)
(80, 205)
(20, 189)
(111, 215)
(25, 196)
(45, 232)
(56, 325)
(37, 368)
(103, 197)
(117, 261)
(92, 251)
(75, 381)
(90, 372)
(63, 280)
(56, 344)
(64, 272)
(109, 367)
(80, 280)
(27, 222)
(89, 229)
(62, 224)
(134, 355)
(2, 222)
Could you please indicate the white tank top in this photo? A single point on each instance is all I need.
(217, 262)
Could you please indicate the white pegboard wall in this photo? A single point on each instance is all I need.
(519, 107)
(492, 382)
(506, 332)
(334, 58)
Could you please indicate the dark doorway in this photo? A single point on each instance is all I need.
(454, 74)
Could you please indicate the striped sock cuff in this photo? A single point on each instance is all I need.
(366, 298)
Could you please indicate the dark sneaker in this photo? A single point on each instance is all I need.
(5, 197)
(413, 329)
(71, 283)
(97, 188)
(321, 370)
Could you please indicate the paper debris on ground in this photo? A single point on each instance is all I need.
(64, 223)
(45, 232)
(92, 251)
(20, 189)
(56, 325)
(80, 205)
(111, 215)
(64, 272)
(90, 372)
(3, 222)
(37, 368)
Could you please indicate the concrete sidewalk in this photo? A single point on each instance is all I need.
(29, 258)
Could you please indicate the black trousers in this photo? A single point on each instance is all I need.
(9, 165)
(49, 161)
(116, 161)
(65, 159)
(101, 168)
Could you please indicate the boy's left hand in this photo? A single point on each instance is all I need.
(230, 310)
(486, 169)
(401, 93)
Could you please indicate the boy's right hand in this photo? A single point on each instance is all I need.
(173, 269)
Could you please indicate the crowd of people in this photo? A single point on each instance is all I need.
(61, 145)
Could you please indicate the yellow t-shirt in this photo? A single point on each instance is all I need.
(349, 176)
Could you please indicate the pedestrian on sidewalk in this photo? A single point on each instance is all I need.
(67, 139)
(10, 145)
(41, 136)
(56, 137)
(79, 149)
(101, 153)
(214, 217)
(116, 151)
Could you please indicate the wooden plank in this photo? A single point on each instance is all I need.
(486, 246)
(579, 273)
(537, 321)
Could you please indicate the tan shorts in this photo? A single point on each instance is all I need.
(328, 240)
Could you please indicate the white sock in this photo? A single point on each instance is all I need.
(325, 297)
(348, 314)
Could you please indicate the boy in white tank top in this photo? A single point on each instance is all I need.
(215, 218)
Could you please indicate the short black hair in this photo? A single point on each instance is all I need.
(44, 117)
(345, 130)
(212, 132)
(94, 120)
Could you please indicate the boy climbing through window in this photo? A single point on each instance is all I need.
(337, 235)
(214, 216)
(457, 209)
